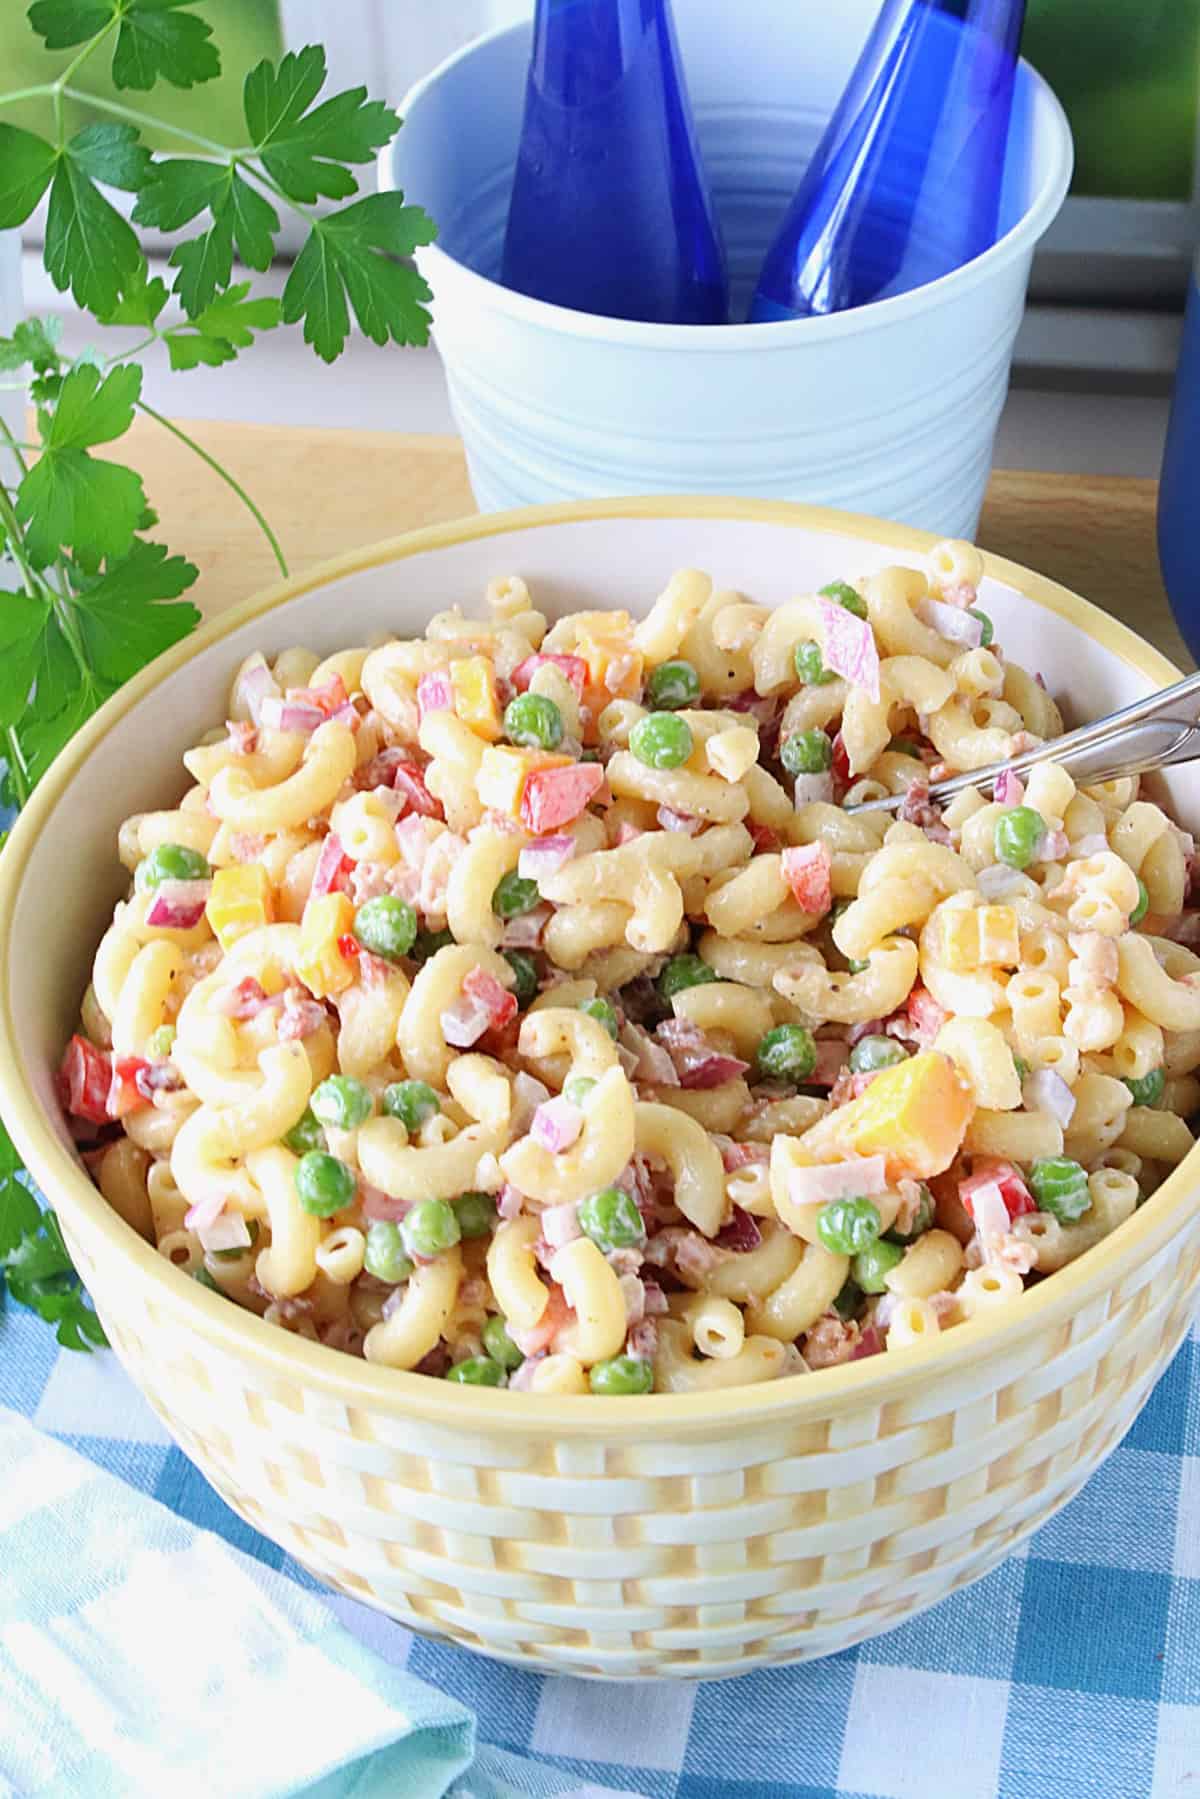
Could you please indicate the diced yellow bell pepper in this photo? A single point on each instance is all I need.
(320, 964)
(614, 666)
(914, 1115)
(240, 901)
(473, 682)
(980, 938)
(503, 773)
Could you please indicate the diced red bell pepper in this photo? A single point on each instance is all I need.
(409, 781)
(765, 839)
(327, 698)
(573, 668)
(348, 946)
(841, 764)
(484, 987)
(554, 796)
(332, 873)
(925, 1015)
(86, 1075)
(124, 1094)
(808, 871)
(988, 1170)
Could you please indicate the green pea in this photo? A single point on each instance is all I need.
(171, 862)
(427, 944)
(477, 1371)
(342, 1101)
(525, 969)
(847, 1301)
(534, 722)
(810, 666)
(1143, 903)
(906, 746)
(514, 894)
(806, 753)
(1060, 1187)
(1149, 1089)
(160, 1041)
(203, 1278)
(414, 1103)
(603, 1012)
(233, 1255)
(384, 1254)
(611, 1219)
(847, 1226)
(499, 1344)
(623, 1374)
(920, 1224)
(476, 1214)
(871, 1266)
(846, 596)
(672, 685)
(872, 1053)
(578, 1088)
(429, 1228)
(858, 964)
(786, 1053)
(1017, 834)
(661, 740)
(386, 926)
(682, 972)
(324, 1185)
(305, 1134)
(989, 630)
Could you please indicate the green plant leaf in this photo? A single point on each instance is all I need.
(19, 1210)
(123, 616)
(141, 302)
(348, 256)
(64, 23)
(176, 192)
(156, 40)
(26, 165)
(33, 341)
(89, 247)
(23, 620)
(225, 326)
(69, 497)
(305, 151)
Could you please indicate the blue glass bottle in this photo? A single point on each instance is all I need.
(1179, 489)
(905, 183)
(610, 209)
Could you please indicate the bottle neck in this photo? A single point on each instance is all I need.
(582, 48)
(1000, 20)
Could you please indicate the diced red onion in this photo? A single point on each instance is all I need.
(685, 822)
(465, 1022)
(434, 693)
(850, 647)
(652, 1061)
(1045, 1091)
(1008, 789)
(998, 879)
(346, 714)
(951, 621)
(203, 1215)
(525, 931)
(528, 1094)
(556, 1125)
(1094, 844)
(634, 1294)
(289, 715)
(990, 1212)
(712, 1071)
(560, 1224)
(858, 1179)
(544, 856)
(808, 790)
(628, 1061)
(178, 905)
(227, 1231)
(510, 1200)
(1052, 847)
(255, 685)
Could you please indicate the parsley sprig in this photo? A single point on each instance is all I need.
(95, 598)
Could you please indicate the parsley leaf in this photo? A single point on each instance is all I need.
(154, 39)
(26, 165)
(39, 1274)
(34, 341)
(141, 302)
(69, 497)
(350, 255)
(89, 247)
(23, 620)
(225, 326)
(123, 621)
(304, 151)
(19, 1210)
(176, 192)
(63, 700)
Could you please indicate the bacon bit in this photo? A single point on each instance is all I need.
(541, 1335)
(831, 1341)
(850, 1086)
(871, 1342)
(302, 1016)
(376, 1204)
(124, 1094)
(1185, 929)
(712, 1071)
(741, 1155)
(643, 1340)
(762, 708)
(574, 668)
(245, 1000)
(988, 1171)
(85, 1075)
(808, 871)
(766, 841)
(925, 1015)
(436, 1362)
(742, 1233)
(332, 873)
(381, 769)
(651, 1061)
(439, 859)
(246, 846)
(408, 780)
(655, 1299)
(697, 1063)
(342, 1334)
(832, 1055)
(554, 796)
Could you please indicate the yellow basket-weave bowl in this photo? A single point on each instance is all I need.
(685, 1536)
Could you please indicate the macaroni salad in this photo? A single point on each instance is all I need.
(520, 1005)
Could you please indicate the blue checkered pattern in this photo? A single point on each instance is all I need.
(1071, 1672)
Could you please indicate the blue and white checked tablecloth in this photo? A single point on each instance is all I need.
(1071, 1672)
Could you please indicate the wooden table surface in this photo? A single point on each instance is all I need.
(326, 492)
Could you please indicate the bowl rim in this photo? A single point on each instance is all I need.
(1036, 219)
(873, 1380)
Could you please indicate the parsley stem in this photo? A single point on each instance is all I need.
(134, 117)
(77, 62)
(18, 774)
(16, 446)
(225, 475)
(41, 91)
(34, 587)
